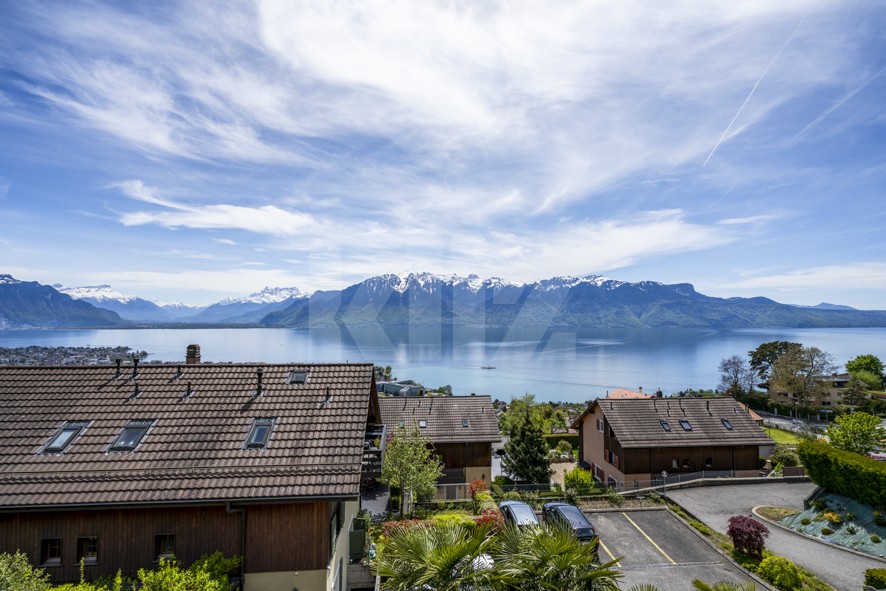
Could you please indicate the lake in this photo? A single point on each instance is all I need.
(569, 365)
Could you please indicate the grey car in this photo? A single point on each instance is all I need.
(518, 513)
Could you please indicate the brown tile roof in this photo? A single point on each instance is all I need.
(445, 416)
(637, 422)
(194, 452)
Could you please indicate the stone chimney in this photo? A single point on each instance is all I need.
(192, 356)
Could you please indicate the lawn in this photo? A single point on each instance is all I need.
(782, 436)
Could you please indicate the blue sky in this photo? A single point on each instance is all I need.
(198, 150)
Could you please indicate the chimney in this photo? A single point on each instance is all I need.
(192, 356)
(640, 389)
(119, 361)
(658, 393)
(134, 368)
(258, 373)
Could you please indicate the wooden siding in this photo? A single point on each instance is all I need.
(465, 455)
(290, 537)
(125, 537)
(654, 460)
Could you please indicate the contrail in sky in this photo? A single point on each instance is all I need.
(756, 84)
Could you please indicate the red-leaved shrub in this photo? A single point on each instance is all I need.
(492, 517)
(477, 486)
(747, 535)
(389, 526)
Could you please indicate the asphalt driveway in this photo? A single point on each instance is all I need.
(655, 547)
(714, 505)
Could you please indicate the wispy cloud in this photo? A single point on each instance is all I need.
(865, 276)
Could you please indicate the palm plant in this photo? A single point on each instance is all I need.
(448, 557)
(549, 558)
(723, 586)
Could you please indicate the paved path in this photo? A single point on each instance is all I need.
(714, 505)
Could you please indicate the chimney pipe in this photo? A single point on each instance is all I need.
(258, 372)
(192, 355)
(119, 361)
(641, 389)
(134, 367)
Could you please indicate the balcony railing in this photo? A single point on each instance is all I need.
(373, 450)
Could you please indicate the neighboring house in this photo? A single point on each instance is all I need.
(120, 466)
(461, 428)
(629, 442)
(836, 385)
(625, 393)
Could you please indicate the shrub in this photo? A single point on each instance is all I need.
(875, 538)
(851, 530)
(655, 497)
(833, 517)
(477, 486)
(389, 526)
(784, 455)
(879, 519)
(581, 480)
(875, 577)
(747, 535)
(512, 495)
(483, 496)
(805, 521)
(457, 517)
(818, 504)
(826, 531)
(783, 573)
(614, 498)
(850, 516)
(490, 517)
(17, 574)
(846, 473)
(502, 480)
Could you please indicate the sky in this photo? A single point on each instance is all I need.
(192, 151)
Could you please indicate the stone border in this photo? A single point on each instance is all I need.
(814, 538)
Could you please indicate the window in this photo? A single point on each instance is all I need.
(87, 549)
(687, 426)
(726, 424)
(598, 473)
(132, 435)
(675, 464)
(665, 425)
(422, 423)
(335, 525)
(297, 377)
(51, 552)
(708, 463)
(64, 437)
(466, 422)
(164, 546)
(685, 462)
(402, 423)
(259, 433)
(600, 425)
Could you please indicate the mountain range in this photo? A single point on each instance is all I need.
(424, 299)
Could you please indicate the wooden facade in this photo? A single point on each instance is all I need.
(127, 539)
(464, 455)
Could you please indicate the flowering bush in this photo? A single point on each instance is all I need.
(477, 486)
(492, 517)
(833, 517)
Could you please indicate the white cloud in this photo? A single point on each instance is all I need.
(857, 276)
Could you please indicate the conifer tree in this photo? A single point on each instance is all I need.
(526, 453)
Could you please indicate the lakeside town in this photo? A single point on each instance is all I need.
(401, 464)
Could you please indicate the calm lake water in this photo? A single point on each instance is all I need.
(569, 365)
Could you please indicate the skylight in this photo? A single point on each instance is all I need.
(132, 434)
(259, 433)
(687, 426)
(422, 423)
(665, 425)
(297, 377)
(64, 437)
(466, 422)
(727, 424)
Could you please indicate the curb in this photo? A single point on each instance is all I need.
(814, 538)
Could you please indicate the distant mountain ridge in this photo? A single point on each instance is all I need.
(426, 299)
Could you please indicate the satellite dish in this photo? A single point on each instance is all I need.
(664, 474)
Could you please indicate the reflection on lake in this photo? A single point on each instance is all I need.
(553, 364)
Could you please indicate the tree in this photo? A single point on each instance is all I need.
(867, 363)
(449, 557)
(747, 535)
(870, 379)
(764, 356)
(736, 377)
(801, 372)
(526, 453)
(858, 432)
(550, 557)
(855, 392)
(513, 416)
(410, 464)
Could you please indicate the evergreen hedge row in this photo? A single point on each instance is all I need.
(552, 439)
(844, 472)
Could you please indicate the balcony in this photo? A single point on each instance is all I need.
(373, 450)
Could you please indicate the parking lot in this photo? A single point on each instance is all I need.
(655, 547)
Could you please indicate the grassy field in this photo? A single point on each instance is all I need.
(782, 436)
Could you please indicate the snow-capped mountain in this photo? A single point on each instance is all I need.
(129, 307)
(250, 309)
(8, 280)
(96, 293)
(269, 295)
(28, 304)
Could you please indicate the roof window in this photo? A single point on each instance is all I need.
(132, 434)
(466, 422)
(298, 376)
(64, 437)
(687, 426)
(259, 433)
(665, 425)
(726, 424)
(422, 424)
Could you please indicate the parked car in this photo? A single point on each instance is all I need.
(571, 516)
(518, 513)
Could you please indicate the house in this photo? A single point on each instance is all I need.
(119, 466)
(632, 441)
(402, 388)
(625, 393)
(834, 388)
(461, 428)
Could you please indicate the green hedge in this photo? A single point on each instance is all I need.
(875, 577)
(552, 439)
(844, 472)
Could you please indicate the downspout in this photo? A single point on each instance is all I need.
(242, 512)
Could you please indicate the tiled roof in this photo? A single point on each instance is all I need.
(446, 416)
(637, 422)
(625, 393)
(194, 452)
